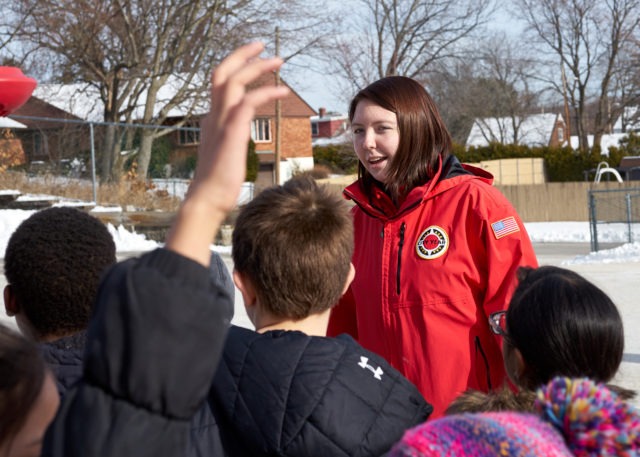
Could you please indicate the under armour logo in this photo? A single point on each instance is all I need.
(377, 372)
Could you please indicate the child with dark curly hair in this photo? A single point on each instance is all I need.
(53, 264)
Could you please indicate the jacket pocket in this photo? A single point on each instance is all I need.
(399, 266)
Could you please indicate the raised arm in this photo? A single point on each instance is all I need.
(160, 321)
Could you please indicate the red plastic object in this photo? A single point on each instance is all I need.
(15, 89)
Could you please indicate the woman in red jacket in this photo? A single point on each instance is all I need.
(437, 247)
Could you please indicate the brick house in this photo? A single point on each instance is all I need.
(296, 152)
(535, 130)
(49, 140)
(328, 125)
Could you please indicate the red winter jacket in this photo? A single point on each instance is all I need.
(427, 276)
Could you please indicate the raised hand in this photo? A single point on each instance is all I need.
(222, 159)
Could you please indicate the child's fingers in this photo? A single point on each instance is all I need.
(250, 71)
(234, 61)
(227, 94)
(262, 95)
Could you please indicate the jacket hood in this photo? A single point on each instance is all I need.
(64, 356)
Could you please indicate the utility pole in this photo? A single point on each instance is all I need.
(276, 157)
(567, 119)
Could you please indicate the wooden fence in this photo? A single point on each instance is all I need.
(561, 201)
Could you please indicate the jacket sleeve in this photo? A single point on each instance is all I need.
(343, 317)
(505, 252)
(153, 346)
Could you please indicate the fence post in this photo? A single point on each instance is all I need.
(593, 222)
(93, 164)
(627, 198)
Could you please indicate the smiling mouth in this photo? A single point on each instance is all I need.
(377, 160)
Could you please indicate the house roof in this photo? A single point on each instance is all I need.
(534, 130)
(293, 105)
(80, 100)
(330, 117)
(83, 101)
(631, 120)
(8, 123)
(606, 141)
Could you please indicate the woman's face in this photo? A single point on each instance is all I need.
(27, 442)
(375, 138)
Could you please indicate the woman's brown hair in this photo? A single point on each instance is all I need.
(424, 138)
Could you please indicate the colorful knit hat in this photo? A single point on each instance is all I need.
(480, 435)
(577, 417)
(592, 419)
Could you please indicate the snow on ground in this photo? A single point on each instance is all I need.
(539, 232)
(126, 241)
(578, 232)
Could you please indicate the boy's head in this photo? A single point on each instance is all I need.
(53, 264)
(294, 244)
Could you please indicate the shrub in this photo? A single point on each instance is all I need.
(339, 158)
(253, 163)
(562, 163)
(160, 151)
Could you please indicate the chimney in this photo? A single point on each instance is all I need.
(322, 111)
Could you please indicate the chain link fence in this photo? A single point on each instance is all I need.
(83, 149)
(614, 206)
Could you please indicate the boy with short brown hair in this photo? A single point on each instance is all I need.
(286, 389)
(294, 243)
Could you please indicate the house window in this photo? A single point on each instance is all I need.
(560, 134)
(314, 128)
(38, 145)
(261, 130)
(186, 137)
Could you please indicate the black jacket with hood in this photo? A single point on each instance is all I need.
(284, 393)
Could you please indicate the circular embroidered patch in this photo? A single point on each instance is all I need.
(432, 243)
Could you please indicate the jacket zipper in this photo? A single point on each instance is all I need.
(400, 244)
(484, 359)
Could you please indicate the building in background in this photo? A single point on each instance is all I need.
(533, 131)
(329, 128)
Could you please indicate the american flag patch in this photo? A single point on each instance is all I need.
(504, 227)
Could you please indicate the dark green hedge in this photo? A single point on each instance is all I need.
(253, 163)
(562, 164)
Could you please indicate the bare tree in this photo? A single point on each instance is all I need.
(587, 39)
(406, 37)
(127, 50)
(131, 50)
(494, 89)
